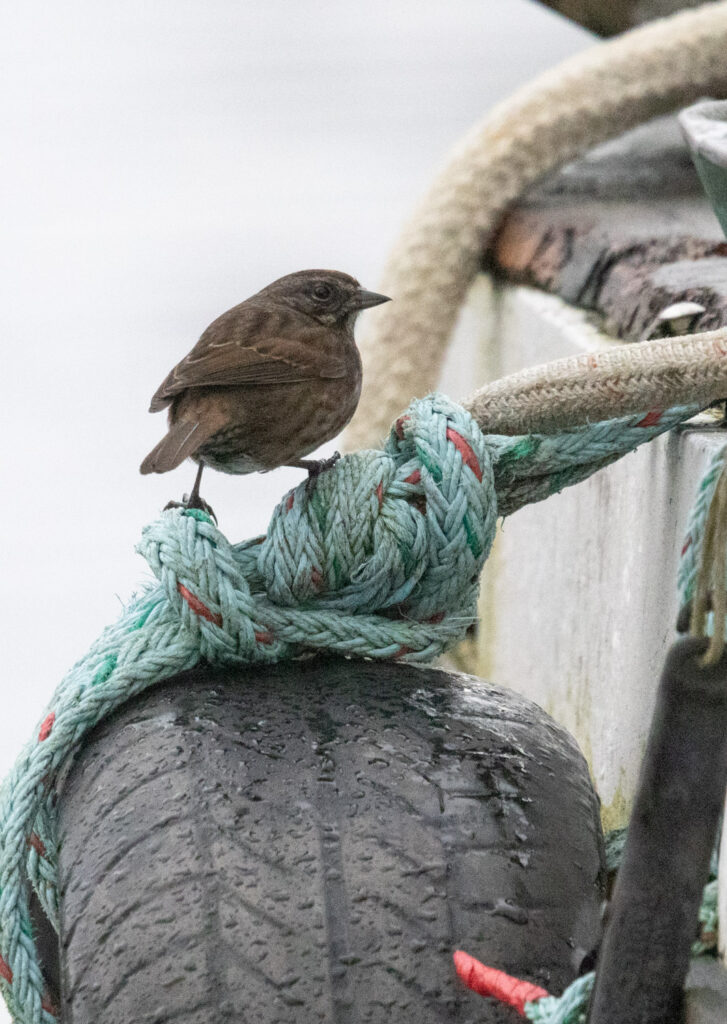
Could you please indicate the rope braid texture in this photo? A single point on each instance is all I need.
(585, 100)
(701, 580)
(381, 560)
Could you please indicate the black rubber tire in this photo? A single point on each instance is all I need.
(310, 843)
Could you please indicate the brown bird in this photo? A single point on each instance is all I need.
(268, 382)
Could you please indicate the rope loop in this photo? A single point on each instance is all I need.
(395, 534)
(206, 588)
(380, 557)
(553, 119)
(406, 528)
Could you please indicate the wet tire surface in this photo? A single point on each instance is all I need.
(311, 842)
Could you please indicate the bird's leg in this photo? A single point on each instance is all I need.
(193, 499)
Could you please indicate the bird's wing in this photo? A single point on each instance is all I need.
(251, 344)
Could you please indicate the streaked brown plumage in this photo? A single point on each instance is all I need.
(269, 381)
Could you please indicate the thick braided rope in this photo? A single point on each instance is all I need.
(382, 559)
(569, 1008)
(531, 468)
(691, 553)
(702, 572)
(598, 385)
(585, 100)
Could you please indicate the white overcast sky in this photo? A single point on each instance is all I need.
(160, 162)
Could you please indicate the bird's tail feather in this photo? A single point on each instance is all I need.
(183, 440)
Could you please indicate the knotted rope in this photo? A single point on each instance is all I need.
(381, 559)
(585, 100)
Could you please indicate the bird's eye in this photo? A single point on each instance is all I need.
(322, 292)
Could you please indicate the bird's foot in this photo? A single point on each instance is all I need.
(315, 467)
(193, 501)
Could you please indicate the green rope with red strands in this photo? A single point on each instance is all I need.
(381, 560)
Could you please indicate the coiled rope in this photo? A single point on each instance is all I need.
(585, 100)
(381, 559)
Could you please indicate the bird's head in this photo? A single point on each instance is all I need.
(328, 296)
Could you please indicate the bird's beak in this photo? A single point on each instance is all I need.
(363, 299)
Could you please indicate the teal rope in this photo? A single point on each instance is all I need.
(614, 843)
(694, 536)
(570, 1008)
(708, 920)
(382, 560)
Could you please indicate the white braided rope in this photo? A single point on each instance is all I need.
(585, 100)
(601, 385)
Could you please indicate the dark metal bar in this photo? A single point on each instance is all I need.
(653, 915)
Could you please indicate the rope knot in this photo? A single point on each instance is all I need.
(204, 582)
(405, 529)
(379, 559)
(399, 534)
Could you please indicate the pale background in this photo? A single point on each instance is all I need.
(160, 163)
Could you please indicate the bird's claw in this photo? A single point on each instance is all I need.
(317, 466)
(192, 501)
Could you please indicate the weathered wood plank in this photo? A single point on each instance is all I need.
(624, 232)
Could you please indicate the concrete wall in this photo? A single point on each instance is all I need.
(579, 596)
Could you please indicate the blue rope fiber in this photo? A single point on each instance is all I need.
(694, 538)
(569, 1008)
(381, 559)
